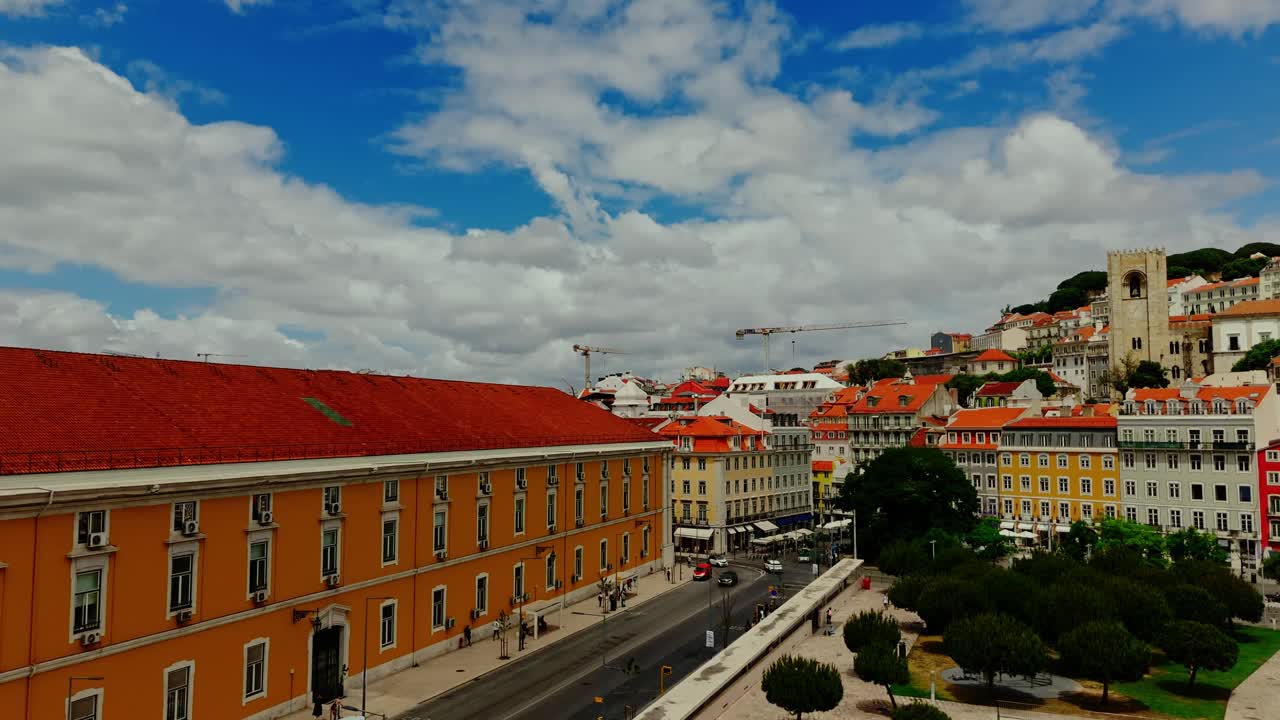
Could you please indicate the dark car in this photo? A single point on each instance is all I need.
(702, 572)
(728, 577)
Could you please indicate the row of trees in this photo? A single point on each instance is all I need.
(1103, 616)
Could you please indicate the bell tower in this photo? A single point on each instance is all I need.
(1137, 290)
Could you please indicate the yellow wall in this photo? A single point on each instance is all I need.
(1012, 467)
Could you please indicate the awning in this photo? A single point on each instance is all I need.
(1006, 525)
(1024, 526)
(695, 533)
(804, 532)
(733, 530)
(763, 541)
(1026, 534)
(766, 526)
(1008, 533)
(1062, 528)
(834, 524)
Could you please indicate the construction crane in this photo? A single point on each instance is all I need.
(585, 351)
(767, 331)
(206, 356)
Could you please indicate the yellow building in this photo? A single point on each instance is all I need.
(1055, 470)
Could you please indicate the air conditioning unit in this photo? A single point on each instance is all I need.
(441, 554)
(92, 638)
(333, 508)
(578, 522)
(332, 580)
(553, 480)
(486, 489)
(558, 584)
(448, 623)
(184, 616)
(442, 494)
(644, 553)
(551, 528)
(522, 483)
(582, 477)
(484, 544)
(265, 518)
(574, 578)
(260, 597)
(97, 540)
(191, 527)
(475, 614)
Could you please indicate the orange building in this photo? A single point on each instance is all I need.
(222, 541)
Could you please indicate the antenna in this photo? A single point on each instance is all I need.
(206, 356)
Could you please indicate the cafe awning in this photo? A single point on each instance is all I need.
(1006, 525)
(766, 526)
(695, 533)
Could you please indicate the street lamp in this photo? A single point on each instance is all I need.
(933, 550)
(71, 681)
(364, 670)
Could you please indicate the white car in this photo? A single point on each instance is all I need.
(804, 557)
(773, 566)
(719, 561)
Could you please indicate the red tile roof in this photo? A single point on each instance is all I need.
(709, 433)
(1252, 307)
(933, 379)
(1095, 421)
(1253, 392)
(648, 423)
(822, 465)
(984, 418)
(998, 389)
(888, 398)
(994, 355)
(77, 411)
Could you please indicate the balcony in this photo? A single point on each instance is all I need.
(1158, 445)
(1237, 445)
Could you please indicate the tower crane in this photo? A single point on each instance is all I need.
(767, 331)
(585, 351)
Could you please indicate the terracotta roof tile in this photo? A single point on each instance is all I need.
(984, 418)
(994, 355)
(1064, 422)
(998, 389)
(1252, 307)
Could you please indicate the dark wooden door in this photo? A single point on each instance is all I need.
(326, 665)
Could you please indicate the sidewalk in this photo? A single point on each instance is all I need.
(744, 700)
(404, 690)
(1255, 698)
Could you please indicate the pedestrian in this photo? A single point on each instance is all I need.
(496, 629)
(668, 574)
(600, 599)
(886, 601)
(466, 634)
(828, 616)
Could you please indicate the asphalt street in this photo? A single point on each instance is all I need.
(562, 681)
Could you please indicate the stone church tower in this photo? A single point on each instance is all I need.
(1139, 305)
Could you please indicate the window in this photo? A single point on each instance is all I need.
(1064, 486)
(259, 556)
(1007, 481)
(1131, 514)
(604, 499)
(702, 464)
(1086, 486)
(604, 554)
(1108, 462)
(644, 489)
(1195, 462)
(439, 530)
(1219, 462)
(644, 541)
(550, 567)
(255, 669)
(87, 602)
(1220, 520)
(332, 497)
(387, 625)
(577, 562)
(1171, 461)
(1220, 493)
(1149, 461)
(85, 708)
(1064, 510)
(1025, 482)
(1008, 507)
(551, 509)
(183, 513)
(1006, 459)
(1273, 477)
(1044, 484)
(626, 548)
(391, 490)
(1246, 522)
(519, 522)
(1175, 518)
(482, 523)
(1086, 462)
(390, 539)
(1043, 461)
(1175, 491)
(1126, 460)
(437, 609)
(1130, 488)
(1153, 516)
(626, 494)
(1109, 487)
(1024, 460)
(482, 594)
(329, 552)
(1242, 463)
(1197, 519)
(92, 522)
(1062, 461)
(259, 505)
(577, 504)
(702, 486)
(181, 575)
(177, 688)
(442, 484)
(1153, 489)
(1197, 491)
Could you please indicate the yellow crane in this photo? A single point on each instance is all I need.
(767, 331)
(585, 351)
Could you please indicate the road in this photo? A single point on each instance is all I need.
(562, 681)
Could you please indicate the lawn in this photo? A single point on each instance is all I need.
(1165, 689)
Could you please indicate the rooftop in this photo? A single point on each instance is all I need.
(1093, 422)
(994, 355)
(1252, 307)
(66, 411)
(984, 418)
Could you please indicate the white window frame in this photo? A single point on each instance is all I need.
(475, 586)
(255, 511)
(75, 527)
(444, 608)
(186, 548)
(87, 564)
(336, 527)
(97, 693)
(263, 536)
(265, 642)
(389, 516)
(444, 546)
(190, 666)
(173, 514)
(519, 514)
(579, 562)
(394, 604)
(388, 485)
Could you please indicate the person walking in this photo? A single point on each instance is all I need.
(466, 634)
(886, 602)
(497, 628)
(828, 616)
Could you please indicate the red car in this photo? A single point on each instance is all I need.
(702, 572)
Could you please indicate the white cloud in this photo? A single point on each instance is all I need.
(106, 16)
(1232, 17)
(1019, 15)
(879, 36)
(156, 80)
(803, 223)
(239, 6)
(27, 8)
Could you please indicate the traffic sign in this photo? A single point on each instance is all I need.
(711, 638)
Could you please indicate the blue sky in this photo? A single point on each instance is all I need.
(464, 188)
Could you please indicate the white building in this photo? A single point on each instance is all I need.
(1219, 297)
(1178, 287)
(1240, 327)
(1013, 338)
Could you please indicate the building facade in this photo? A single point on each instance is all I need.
(204, 539)
(1220, 296)
(972, 441)
(1239, 328)
(1187, 460)
(1269, 496)
(1056, 470)
(1138, 306)
(890, 413)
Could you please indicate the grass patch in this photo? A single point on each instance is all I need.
(1165, 690)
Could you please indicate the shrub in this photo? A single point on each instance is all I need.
(800, 685)
(918, 710)
(867, 628)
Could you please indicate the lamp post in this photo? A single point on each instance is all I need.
(71, 682)
(364, 662)
(933, 550)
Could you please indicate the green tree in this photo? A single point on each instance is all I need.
(918, 710)
(1191, 544)
(1146, 540)
(903, 557)
(1044, 383)
(994, 644)
(872, 369)
(948, 599)
(1148, 374)
(1016, 595)
(1266, 248)
(1242, 267)
(1079, 541)
(1089, 280)
(1141, 608)
(870, 628)
(966, 385)
(1119, 374)
(987, 542)
(1072, 602)
(905, 492)
(1177, 271)
(1105, 652)
(905, 592)
(1067, 299)
(880, 664)
(800, 685)
(1259, 356)
(1028, 308)
(1203, 261)
(1271, 566)
(1238, 597)
(1197, 646)
(1196, 604)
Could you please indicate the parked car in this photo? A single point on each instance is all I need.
(702, 572)
(728, 577)
(719, 561)
(1273, 597)
(804, 556)
(773, 566)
